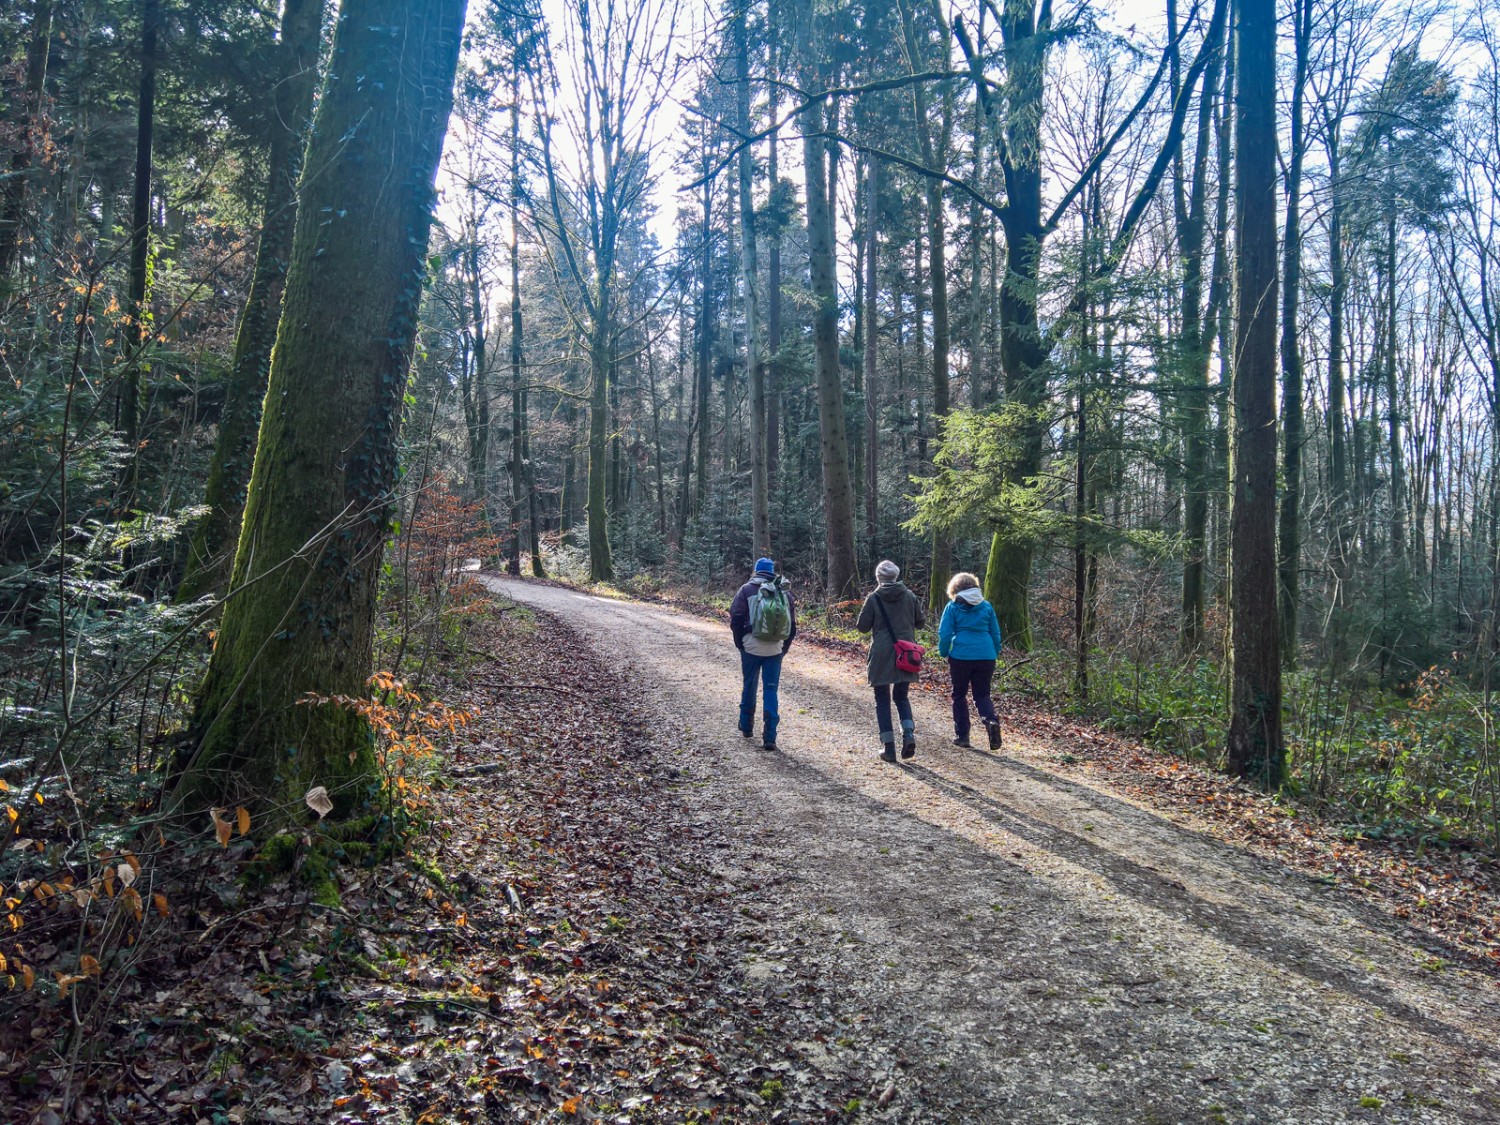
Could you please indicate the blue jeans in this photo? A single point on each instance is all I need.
(885, 694)
(766, 669)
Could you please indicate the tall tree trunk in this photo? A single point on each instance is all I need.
(533, 517)
(937, 269)
(518, 475)
(1256, 749)
(1023, 355)
(478, 388)
(705, 346)
(724, 363)
(838, 495)
(601, 352)
(129, 422)
(755, 360)
(568, 503)
(857, 341)
(322, 494)
(1081, 469)
(1218, 323)
(919, 347)
(978, 389)
(33, 131)
(1389, 348)
(773, 255)
(617, 482)
(1337, 410)
(872, 352)
(1196, 351)
(1289, 537)
(685, 488)
(935, 151)
(212, 550)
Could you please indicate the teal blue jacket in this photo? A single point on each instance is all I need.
(969, 632)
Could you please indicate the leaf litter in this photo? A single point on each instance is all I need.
(562, 944)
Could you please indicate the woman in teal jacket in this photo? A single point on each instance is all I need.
(969, 636)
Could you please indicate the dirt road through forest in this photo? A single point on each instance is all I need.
(1045, 950)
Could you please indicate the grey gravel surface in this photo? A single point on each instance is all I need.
(1029, 948)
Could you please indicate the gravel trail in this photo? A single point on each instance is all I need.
(1041, 950)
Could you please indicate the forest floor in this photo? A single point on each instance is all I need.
(622, 911)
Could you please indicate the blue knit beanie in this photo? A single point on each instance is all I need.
(765, 566)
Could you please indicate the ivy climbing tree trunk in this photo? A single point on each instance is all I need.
(212, 548)
(320, 500)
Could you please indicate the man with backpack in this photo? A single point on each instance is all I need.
(764, 623)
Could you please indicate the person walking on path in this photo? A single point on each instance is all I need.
(969, 637)
(891, 613)
(764, 622)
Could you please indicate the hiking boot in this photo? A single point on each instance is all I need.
(768, 746)
(889, 753)
(747, 733)
(962, 744)
(993, 730)
(908, 746)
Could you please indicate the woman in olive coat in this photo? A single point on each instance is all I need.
(905, 614)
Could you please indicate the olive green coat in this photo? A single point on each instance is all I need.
(907, 616)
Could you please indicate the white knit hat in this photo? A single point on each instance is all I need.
(887, 571)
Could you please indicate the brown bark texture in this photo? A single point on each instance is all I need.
(321, 498)
(1256, 748)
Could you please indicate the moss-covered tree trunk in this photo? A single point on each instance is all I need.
(320, 500)
(212, 549)
(1023, 355)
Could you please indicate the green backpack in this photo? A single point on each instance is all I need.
(770, 613)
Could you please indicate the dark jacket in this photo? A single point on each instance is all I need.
(739, 619)
(907, 616)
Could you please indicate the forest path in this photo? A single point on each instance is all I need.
(1047, 950)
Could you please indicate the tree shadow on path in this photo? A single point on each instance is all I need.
(1235, 925)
